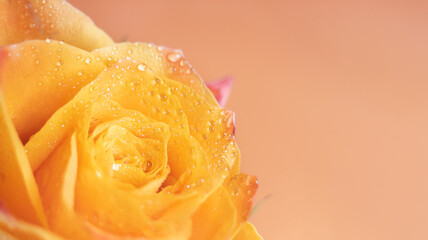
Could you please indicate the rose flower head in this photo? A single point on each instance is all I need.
(104, 140)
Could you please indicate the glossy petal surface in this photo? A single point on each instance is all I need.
(38, 77)
(19, 194)
(22, 20)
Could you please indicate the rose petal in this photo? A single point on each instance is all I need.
(22, 20)
(165, 62)
(242, 188)
(221, 89)
(56, 179)
(221, 215)
(38, 77)
(216, 218)
(23, 230)
(18, 192)
(248, 232)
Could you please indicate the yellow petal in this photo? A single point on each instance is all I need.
(22, 20)
(216, 217)
(56, 179)
(248, 232)
(165, 62)
(23, 230)
(138, 157)
(120, 211)
(220, 216)
(38, 77)
(241, 189)
(18, 192)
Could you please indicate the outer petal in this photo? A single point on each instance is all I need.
(38, 77)
(18, 191)
(40, 19)
(248, 232)
(216, 218)
(165, 62)
(221, 215)
(18, 229)
(242, 189)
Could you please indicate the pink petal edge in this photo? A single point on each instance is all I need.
(221, 89)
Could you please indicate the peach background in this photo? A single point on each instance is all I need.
(331, 102)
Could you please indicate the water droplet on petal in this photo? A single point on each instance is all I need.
(173, 57)
(148, 166)
(116, 166)
(88, 60)
(141, 67)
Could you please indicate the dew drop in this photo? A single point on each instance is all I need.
(162, 97)
(116, 166)
(173, 57)
(88, 60)
(148, 166)
(141, 67)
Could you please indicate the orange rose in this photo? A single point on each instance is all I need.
(110, 141)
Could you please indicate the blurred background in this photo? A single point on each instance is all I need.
(331, 103)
